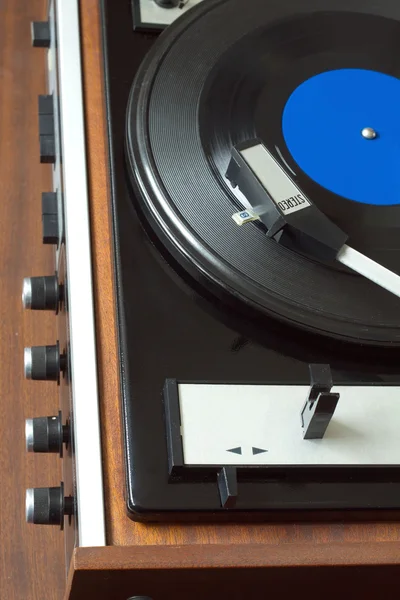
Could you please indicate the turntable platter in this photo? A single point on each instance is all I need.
(225, 74)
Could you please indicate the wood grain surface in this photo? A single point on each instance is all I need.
(179, 572)
(329, 543)
(122, 558)
(31, 558)
(237, 584)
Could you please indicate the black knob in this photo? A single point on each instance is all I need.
(47, 506)
(50, 226)
(47, 149)
(40, 31)
(41, 293)
(46, 130)
(169, 3)
(43, 363)
(46, 434)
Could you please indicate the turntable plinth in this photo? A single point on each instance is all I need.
(357, 559)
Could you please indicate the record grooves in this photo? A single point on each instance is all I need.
(181, 129)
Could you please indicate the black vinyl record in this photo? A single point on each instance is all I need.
(222, 75)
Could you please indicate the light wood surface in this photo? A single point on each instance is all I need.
(31, 558)
(329, 543)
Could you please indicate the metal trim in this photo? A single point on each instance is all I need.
(83, 367)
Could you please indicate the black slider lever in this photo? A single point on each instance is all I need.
(228, 486)
(320, 405)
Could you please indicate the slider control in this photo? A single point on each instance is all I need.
(46, 130)
(40, 32)
(320, 405)
(228, 487)
(50, 218)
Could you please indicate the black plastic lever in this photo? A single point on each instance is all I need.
(228, 487)
(320, 405)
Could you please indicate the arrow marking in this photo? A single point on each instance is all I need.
(258, 451)
(235, 450)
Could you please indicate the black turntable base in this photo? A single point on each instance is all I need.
(260, 370)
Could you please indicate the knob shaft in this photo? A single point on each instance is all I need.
(43, 363)
(46, 434)
(47, 506)
(41, 293)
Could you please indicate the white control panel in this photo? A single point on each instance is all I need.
(152, 14)
(261, 425)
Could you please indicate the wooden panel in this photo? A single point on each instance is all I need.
(121, 558)
(181, 573)
(122, 531)
(31, 558)
(102, 265)
(252, 584)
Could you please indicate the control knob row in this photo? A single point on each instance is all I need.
(46, 506)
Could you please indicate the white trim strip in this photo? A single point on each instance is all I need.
(89, 479)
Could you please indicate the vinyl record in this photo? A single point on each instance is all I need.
(307, 78)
